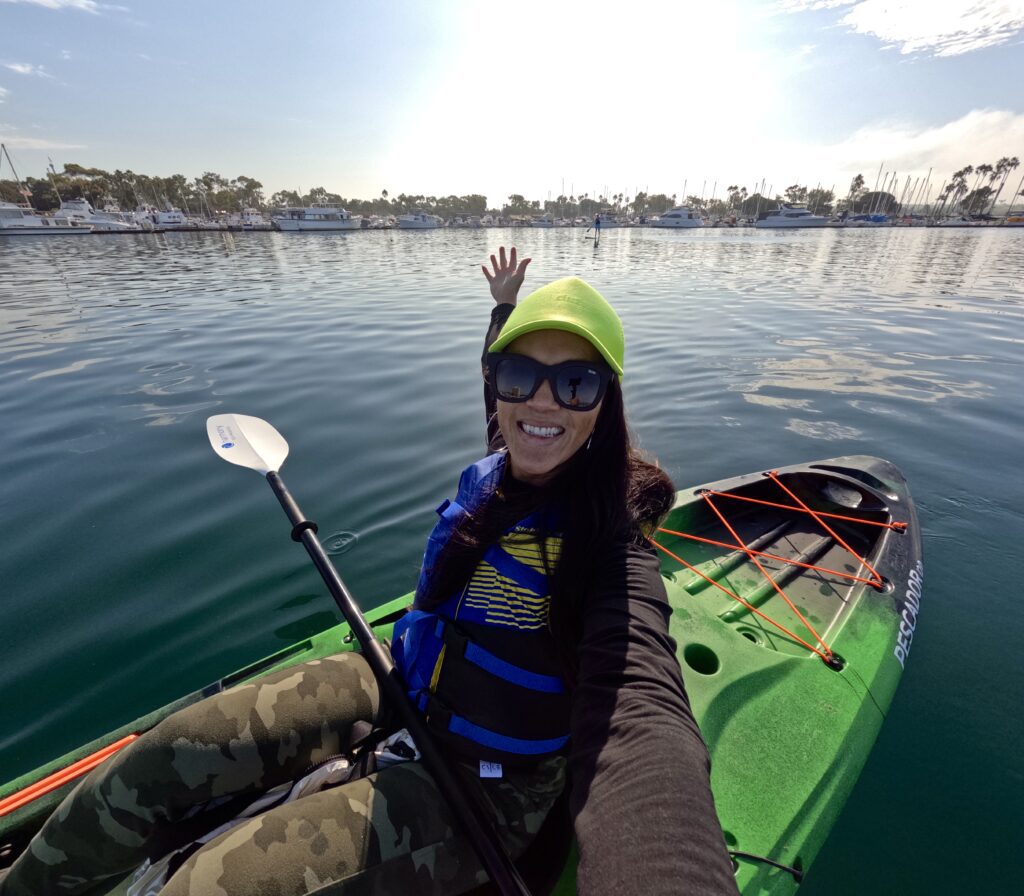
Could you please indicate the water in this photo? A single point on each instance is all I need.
(137, 567)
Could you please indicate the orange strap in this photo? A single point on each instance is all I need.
(739, 544)
(736, 597)
(725, 544)
(60, 778)
(898, 527)
(878, 579)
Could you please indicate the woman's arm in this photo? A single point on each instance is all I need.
(504, 283)
(641, 794)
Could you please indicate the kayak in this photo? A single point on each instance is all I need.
(795, 594)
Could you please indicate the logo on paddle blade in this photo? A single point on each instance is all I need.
(228, 445)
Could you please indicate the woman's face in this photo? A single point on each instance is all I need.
(540, 434)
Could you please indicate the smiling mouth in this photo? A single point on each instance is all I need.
(541, 432)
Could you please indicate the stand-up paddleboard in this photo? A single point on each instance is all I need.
(795, 595)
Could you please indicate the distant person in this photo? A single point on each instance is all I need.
(597, 223)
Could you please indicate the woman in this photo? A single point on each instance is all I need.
(537, 646)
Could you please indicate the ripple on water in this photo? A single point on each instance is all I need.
(340, 542)
(823, 430)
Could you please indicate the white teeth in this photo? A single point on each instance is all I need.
(544, 432)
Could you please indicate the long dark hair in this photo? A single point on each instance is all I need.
(608, 493)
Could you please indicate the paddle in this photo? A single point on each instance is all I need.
(254, 443)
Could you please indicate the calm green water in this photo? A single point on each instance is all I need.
(136, 566)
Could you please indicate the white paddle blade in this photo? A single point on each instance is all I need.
(247, 441)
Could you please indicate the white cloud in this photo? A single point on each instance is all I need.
(84, 5)
(27, 68)
(65, 54)
(980, 136)
(3, 92)
(810, 5)
(936, 27)
(35, 143)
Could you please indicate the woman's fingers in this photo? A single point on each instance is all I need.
(501, 255)
(487, 273)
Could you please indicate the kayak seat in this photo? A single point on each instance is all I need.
(542, 863)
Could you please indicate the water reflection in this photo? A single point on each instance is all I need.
(858, 373)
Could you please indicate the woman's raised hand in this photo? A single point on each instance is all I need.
(507, 277)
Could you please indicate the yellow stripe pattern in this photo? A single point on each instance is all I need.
(502, 600)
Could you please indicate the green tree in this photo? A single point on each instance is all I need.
(285, 198)
(1003, 168)
(820, 201)
(977, 201)
(876, 201)
(796, 194)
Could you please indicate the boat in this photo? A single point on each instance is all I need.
(679, 217)
(791, 216)
(866, 220)
(958, 221)
(321, 217)
(795, 593)
(544, 220)
(81, 210)
(248, 219)
(419, 221)
(1014, 219)
(23, 220)
(155, 220)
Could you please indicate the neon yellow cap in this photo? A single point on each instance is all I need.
(572, 305)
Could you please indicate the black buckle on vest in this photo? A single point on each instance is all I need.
(437, 715)
(454, 640)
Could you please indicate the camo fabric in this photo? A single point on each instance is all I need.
(389, 833)
(389, 830)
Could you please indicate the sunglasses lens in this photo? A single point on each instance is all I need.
(579, 387)
(515, 378)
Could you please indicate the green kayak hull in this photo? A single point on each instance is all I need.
(790, 684)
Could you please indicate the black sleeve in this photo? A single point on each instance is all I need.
(641, 796)
(495, 440)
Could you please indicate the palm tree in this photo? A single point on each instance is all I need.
(1003, 167)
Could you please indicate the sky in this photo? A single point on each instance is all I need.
(535, 97)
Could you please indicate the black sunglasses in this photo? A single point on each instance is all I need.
(576, 385)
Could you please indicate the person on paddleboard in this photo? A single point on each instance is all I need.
(537, 648)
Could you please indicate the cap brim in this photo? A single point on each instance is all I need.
(510, 334)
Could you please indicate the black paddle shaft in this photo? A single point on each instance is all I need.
(467, 808)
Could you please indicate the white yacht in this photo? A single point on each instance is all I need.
(248, 219)
(959, 221)
(419, 221)
(792, 216)
(148, 217)
(680, 216)
(544, 220)
(81, 210)
(316, 218)
(23, 220)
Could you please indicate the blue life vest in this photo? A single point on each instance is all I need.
(482, 666)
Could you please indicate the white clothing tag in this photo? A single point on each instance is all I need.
(490, 769)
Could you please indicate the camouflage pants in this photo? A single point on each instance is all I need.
(390, 832)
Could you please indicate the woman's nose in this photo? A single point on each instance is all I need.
(544, 397)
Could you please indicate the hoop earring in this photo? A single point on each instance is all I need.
(591, 439)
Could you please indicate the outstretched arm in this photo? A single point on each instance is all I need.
(505, 280)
